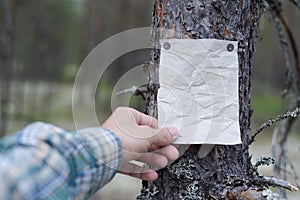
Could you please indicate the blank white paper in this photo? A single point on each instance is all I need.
(199, 90)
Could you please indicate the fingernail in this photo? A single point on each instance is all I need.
(173, 131)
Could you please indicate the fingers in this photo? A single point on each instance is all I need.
(170, 152)
(139, 133)
(164, 137)
(144, 120)
(148, 176)
(158, 158)
(138, 172)
(153, 159)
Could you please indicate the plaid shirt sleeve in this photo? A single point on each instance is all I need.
(45, 162)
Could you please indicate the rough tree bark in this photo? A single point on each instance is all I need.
(226, 172)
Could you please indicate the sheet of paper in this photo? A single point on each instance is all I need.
(199, 90)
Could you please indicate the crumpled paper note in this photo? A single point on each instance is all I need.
(199, 90)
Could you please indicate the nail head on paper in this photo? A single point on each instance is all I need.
(167, 45)
(230, 47)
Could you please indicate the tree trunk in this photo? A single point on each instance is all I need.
(227, 170)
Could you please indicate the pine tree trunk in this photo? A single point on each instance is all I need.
(226, 171)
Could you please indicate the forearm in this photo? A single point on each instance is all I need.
(43, 161)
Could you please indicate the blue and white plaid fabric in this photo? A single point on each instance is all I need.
(45, 162)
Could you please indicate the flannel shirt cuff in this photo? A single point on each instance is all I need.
(105, 148)
(60, 164)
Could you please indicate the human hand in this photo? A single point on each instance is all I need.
(139, 133)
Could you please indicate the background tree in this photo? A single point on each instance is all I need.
(45, 45)
(36, 48)
(274, 12)
(7, 20)
(226, 172)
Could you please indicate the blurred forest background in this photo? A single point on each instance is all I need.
(42, 44)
